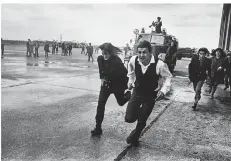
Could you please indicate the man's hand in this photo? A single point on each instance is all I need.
(102, 81)
(160, 95)
(130, 86)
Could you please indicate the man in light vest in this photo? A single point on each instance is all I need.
(144, 73)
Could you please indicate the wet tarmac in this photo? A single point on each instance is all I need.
(48, 110)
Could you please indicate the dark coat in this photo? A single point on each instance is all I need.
(114, 71)
(90, 50)
(228, 67)
(198, 68)
(46, 47)
(215, 64)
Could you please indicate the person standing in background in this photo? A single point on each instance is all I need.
(46, 49)
(36, 49)
(70, 49)
(90, 52)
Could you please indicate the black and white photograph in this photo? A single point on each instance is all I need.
(115, 81)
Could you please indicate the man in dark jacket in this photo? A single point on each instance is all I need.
(113, 81)
(70, 49)
(63, 49)
(170, 56)
(217, 70)
(46, 49)
(199, 68)
(53, 47)
(90, 52)
(228, 72)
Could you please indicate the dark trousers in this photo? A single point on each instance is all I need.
(53, 50)
(103, 97)
(197, 85)
(215, 81)
(90, 57)
(28, 52)
(2, 52)
(36, 52)
(46, 54)
(70, 53)
(83, 52)
(139, 108)
(57, 50)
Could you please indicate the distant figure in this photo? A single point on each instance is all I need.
(131, 44)
(70, 49)
(83, 49)
(126, 49)
(2, 46)
(157, 25)
(170, 58)
(164, 32)
(53, 47)
(31, 48)
(142, 31)
(46, 48)
(96, 50)
(63, 49)
(90, 52)
(28, 50)
(57, 47)
(36, 49)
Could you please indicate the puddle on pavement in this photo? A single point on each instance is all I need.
(224, 100)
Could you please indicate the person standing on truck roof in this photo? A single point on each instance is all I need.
(157, 25)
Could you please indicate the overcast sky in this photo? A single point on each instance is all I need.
(195, 25)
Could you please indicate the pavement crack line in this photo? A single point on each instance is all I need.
(33, 82)
(127, 148)
(72, 87)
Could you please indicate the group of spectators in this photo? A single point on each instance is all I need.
(32, 48)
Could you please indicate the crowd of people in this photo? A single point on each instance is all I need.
(213, 68)
(143, 74)
(32, 48)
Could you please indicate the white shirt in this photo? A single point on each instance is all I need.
(161, 69)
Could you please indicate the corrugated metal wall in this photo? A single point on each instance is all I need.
(225, 28)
